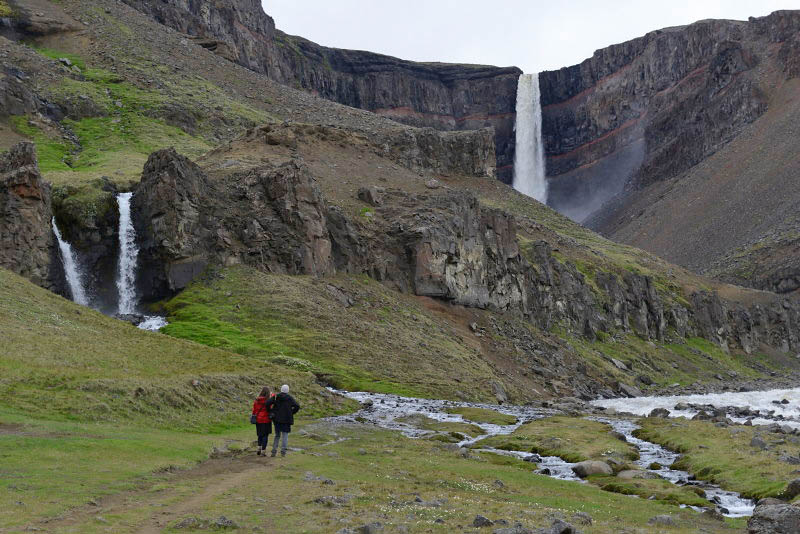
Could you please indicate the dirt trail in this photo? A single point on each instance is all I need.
(215, 477)
(221, 484)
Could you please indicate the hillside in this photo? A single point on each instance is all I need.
(287, 238)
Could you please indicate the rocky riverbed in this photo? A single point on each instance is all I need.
(397, 413)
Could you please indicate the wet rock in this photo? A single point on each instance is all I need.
(630, 391)
(588, 468)
(775, 519)
(662, 413)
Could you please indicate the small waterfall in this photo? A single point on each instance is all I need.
(128, 252)
(529, 166)
(71, 269)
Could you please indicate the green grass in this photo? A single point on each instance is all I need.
(94, 368)
(481, 415)
(657, 490)
(570, 438)
(383, 473)
(724, 455)
(50, 466)
(386, 342)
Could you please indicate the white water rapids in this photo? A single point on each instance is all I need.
(74, 276)
(778, 405)
(387, 411)
(529, 164)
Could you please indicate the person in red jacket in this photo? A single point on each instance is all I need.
(263, 422)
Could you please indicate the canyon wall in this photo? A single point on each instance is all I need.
(442, 96)
(651, 108)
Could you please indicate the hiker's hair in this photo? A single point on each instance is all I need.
(265, 391)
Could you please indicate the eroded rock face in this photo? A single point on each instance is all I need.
(445, 97)
(27, 243)
(651, 108)
(174, 238)
(273, 218)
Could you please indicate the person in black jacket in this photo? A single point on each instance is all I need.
(282, 408)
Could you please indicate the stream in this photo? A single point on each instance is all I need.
(386, 411)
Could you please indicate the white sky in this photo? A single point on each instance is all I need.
(534, 35)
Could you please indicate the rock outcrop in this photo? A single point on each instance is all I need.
(27, 243)
(441, 96)
(443, 244)
(651, 108)
(775, 519)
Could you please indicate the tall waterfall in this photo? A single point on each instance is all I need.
(71, 269)
(529, 166)
(126, 272)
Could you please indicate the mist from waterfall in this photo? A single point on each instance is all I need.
(128, 253)
(74, 276)
(529, 165)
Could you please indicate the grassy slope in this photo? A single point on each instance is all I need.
(724, 455)
(384, 342)
(88, 404)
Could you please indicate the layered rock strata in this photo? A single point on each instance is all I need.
(442, 96)
(651, 108)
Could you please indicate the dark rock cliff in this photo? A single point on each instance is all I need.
(653, 107)
(27, 242)
(442, 96)
(444, 245)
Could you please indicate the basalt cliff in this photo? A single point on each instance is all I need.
(442, 96)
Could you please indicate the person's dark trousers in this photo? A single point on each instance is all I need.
(263, 430)
(281, 437)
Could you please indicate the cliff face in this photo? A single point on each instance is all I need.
(649, 109)
(27, 243)
(443, 244)
(442, 96)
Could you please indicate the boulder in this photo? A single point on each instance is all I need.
(662, 413)
(589, 468)
(372, 195)
(775, 519)
(481, 521)
(792, 490)
(561, 527)
(630, 391)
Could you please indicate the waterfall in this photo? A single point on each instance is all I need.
(126, 274)
(529, 166)
(71, 269)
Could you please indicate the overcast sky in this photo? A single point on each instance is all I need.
(534, 35)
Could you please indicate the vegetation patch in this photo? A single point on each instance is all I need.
(652, 489)
(423, 422)
(725, 456)
(482, 415)
(571, 438)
